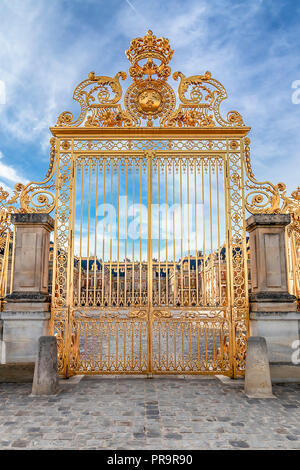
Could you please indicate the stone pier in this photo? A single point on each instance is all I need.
(27, 310)
(273, 311)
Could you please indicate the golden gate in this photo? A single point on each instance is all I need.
(150, 252)
(150, 255)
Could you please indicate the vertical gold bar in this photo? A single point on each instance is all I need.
(188, 204)
(196, 233)
(85, 345)
(132, 276)
(12, 261)
(174, 253)
(212, 293)
(198, 346)
(191, 349)
(95, 247)
(5, 266)
(124, 335)
(206, 358)
(166, 215)
(108, 347)
(140, 345)
(117, 343)
(159, 341)
(101, 344)
(93, 346)
(110, 235)
(2, 275)
(118, 246)
(88, 239)
(181, 237)
(175, 345)
(292, 243)
(132, 344)
(167, 344)
(158, 195)
(125, 263)
(203, 242)
(214, 347)
(80, 248)
(140, 302)
(103, 234)
(218, 224)
(182, 324)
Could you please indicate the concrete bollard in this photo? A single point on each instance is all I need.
(45, 380)
(257, 378)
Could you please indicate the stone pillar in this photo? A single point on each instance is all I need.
(45, 380)
(273, 311)
(257, 374)
(27, 310)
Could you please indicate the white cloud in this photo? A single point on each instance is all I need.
(40, 65)
(47, 48)
(9, 173)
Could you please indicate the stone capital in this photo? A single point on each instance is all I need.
(41, 219)
(267, 220)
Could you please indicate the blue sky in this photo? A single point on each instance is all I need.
(48, 47)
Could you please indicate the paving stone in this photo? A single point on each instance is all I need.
(239, 444)
(168, 413)
(19, 443)
(292, 438)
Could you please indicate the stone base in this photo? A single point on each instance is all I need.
(281, 330)
(281, 373)
(19, 334)
(27, 302)
(16, 372)
(273, 301)
(27, 307)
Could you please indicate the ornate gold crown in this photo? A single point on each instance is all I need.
(150, 96)
(149, 46)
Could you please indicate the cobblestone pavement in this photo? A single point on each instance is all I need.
(139, 413)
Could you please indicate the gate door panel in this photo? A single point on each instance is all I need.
(110, 276)
(190, 314)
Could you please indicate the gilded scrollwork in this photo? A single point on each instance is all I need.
(263, 197)
(6, 209)
(200, 97)
(161, 314)
(291, 205)
(97, 107)
(138, 313)
(39, 196)
(32, 197)
(8, 206)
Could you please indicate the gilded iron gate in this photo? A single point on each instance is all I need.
(151, 253)
(149, 257)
